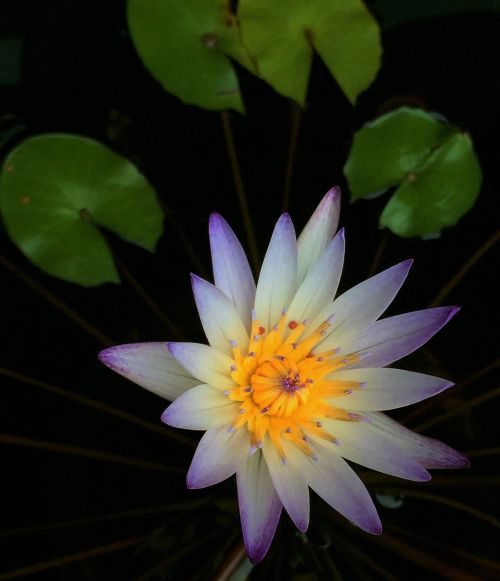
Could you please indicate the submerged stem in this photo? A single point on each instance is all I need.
(72, 558)
(457, 410)
(56, 302)
(11, 439)
(102, 407)
(154, 510)
(461, 506)
(141, 291)
(292, 153)
(378, 253)
(458, 276)
(240, 190)
(429, 404)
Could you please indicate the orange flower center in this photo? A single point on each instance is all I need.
(282, 384)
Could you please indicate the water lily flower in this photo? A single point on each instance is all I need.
(293, 381)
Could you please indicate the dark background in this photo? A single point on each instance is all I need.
(71, 67)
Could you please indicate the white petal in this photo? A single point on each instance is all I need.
(429, 452)
(201, 408)
(387, 388)
(260, 506)
(337, 484)
(205, 363)
(219, 455)
(278, 276)
(318, 289)
(220, 318)
(289, 482)
(390, 339)
(358, 307)
(360, 442)
(318, 232)
(232, 272)
(150, 365)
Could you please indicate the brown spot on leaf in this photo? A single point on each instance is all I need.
(84, 214)
(25, 200)
(209, 40)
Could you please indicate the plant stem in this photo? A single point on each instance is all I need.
(457, 410)
(56, 302)
(198, 266)
(140, 290)
(240, 190)
(42, 528)
(188, 549)
(487, 565)
(368, 561)
(446, 502)
(84, 453)
(458, 276)
(232, 563)
(292, 153)
(458, 388)
(378, 253)
(102, 407)
(72, 558)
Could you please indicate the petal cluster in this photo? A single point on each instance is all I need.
(293, 380)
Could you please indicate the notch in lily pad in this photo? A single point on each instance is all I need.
(429, 165)
(282, 36)
(187, 45)
(56, 193)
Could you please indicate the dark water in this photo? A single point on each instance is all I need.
(74, 69)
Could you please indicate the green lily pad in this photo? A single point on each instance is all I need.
(438, 193)
(282, 35)
(432, 162)
(56, 189)
(385, 151)
(185, 45)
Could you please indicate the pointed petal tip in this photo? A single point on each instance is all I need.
(452, 312)
(333, 193)
(375, 529)
(165, 417)
(108, 356)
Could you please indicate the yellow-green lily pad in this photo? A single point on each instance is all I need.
(186, 45)
(282, 35)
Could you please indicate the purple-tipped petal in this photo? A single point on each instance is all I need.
(205, 363)
(151, 366)
(361, 305)
(391, 339)
(218, 456)
(338, 485)
(260, 506)
(360, 442)
(318, 289)
(289, 482)
(430, 453)
(201, 408)
(278, 276)
(387, 389)
(232, 272)
(318, 232)
(220, 318)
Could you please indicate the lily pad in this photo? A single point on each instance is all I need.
(56, 189)
(439, 192)
(432, 164)
(282, 35)
(385, 151)
(185, 45)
